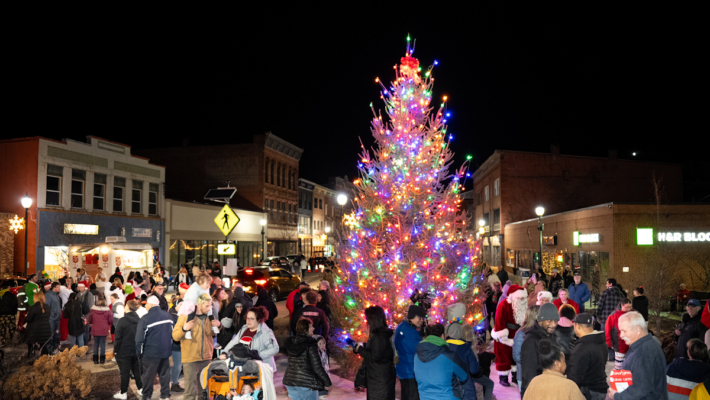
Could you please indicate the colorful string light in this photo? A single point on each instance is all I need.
(407, 232)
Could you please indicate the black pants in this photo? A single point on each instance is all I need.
(126, 365)
(150, 367)
(410, 391)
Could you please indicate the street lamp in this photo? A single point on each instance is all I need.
(342, 199)
(262, 222)
(26, 203)
(540, 211)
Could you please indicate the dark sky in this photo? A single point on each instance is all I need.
(587, 78)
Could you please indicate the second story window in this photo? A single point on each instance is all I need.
(487, 193)
(78, 178)
(136, 197)
(496, 187)
(153, 189)
(99, 192)
(119, 189)
(54, 185)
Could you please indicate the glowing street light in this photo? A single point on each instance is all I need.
(26, 203)
(540, 211)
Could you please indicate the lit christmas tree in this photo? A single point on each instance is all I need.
(407, 233)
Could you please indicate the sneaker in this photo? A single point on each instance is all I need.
(140, 392)
(120, 395)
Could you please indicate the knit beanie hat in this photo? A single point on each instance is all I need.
(548, 312)
(415, 311)
(454, 331)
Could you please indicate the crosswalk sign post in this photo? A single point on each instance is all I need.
(226, 220)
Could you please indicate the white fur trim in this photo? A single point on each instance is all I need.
(506, 341)
(514, 368)
(503, 373)
(497, 335)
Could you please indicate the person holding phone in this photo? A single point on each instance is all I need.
(378, 356)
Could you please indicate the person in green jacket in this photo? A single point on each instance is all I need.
(30, 289)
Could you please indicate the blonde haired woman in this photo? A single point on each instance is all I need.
(39, 331)
(530, 317)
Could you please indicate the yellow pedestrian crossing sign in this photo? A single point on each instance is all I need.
(226, 220)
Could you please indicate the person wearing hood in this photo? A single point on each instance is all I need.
(683, 374)
(406, 339)
(564, 334)
(305, 375)
(454, 334)
(587, 362)
(690, 328)
(378, 356)
(265, 301)
(543, 328)
(124, 349)
(235, 316)
(440, 372)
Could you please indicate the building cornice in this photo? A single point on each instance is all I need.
(276, 143)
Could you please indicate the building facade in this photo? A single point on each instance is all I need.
(628, 242)
(265, 173)
(94, 204)
(509, 185)
(193, 237)
(305, 217)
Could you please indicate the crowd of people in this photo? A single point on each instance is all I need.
(542, 340)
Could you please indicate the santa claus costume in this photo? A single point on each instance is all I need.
(510, 316)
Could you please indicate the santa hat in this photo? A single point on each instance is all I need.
(246, 340)
(515, 291)
(85, 283)
(48, 285)
(183, 288)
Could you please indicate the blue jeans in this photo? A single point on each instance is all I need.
(177, 365)
(76, 340)
(99, 345)
(302, 393)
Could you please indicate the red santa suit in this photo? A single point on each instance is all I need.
(508, 321)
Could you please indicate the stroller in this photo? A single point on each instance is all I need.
(242, 366)
(214, 379)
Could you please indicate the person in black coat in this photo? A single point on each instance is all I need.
(8, 312)
(118, 275)
(640, 303)
(73, 312)
(378, 356)
(588, 360)
(564, 334)
(124, 347)
(265, 300)
(235, 311)
(305, 370)
(39, 331)
(324, 301)
(502, 274)
(690, 328)
(310, 311)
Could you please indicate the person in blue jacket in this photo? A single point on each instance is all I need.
(454, 334)
(436, 366)
(406, 339)
(579, 291)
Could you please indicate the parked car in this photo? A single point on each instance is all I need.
(267, 261)
(15, 284)
(277, 281)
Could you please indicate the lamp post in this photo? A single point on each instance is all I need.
(26, 203)
(262, 222)
(540, 211)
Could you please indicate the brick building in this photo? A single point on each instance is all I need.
(305, 217)
(632, 243)
(510, 184)
(90, 200)
(265, 173)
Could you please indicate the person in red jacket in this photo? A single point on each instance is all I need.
(611, 330)
(101, 319)
(295, 297)
(564, 299)
(682, 297)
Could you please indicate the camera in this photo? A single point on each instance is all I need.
(422, 298)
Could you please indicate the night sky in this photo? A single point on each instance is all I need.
(587, 79)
